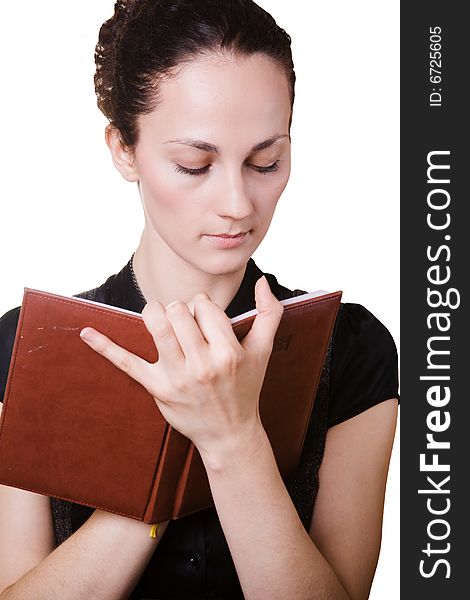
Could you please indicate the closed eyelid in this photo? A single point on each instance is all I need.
(192, 162)
(273, 167)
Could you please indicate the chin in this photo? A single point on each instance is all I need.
(221, 263)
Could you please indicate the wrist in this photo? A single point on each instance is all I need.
(241, 447)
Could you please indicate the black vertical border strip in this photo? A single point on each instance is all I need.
(424, 129)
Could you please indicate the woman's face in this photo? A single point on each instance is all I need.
(214, 158)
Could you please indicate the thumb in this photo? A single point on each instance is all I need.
(261, 335)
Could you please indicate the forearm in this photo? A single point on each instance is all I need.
(102, 560)
(273, 554)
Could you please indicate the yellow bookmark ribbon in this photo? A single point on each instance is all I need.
(153, 531)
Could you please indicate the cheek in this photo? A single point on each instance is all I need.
(161, 194)
(175, 213)
(270, 186)
(269, 190)
(265, 204)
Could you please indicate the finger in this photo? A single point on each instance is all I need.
(214, 323)
(260, 338)
(163, 334)
(126, 361)
(187, 331)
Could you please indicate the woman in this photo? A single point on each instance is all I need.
(199, 96)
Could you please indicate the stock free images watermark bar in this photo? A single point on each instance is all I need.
(435, 461)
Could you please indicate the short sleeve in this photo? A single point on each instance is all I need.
(364, 364)
(8, 325)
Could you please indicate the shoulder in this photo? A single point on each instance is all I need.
(8, 326)
(355, 320)
(364, 363)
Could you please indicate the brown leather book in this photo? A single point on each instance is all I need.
(76, 427)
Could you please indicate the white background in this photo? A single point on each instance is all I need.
(68, 219)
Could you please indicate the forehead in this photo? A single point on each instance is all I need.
(222, 96)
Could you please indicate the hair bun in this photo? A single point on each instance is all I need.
(109, 37)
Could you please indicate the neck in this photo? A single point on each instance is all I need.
(164, 276)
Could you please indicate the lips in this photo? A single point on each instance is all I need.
(226, 235)
(224, 240)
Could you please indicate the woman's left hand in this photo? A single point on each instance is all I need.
(205, 382)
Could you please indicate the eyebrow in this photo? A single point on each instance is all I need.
(201, 145)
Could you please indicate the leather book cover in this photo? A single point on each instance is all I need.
(76, 427)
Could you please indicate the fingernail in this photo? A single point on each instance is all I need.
(87, 335)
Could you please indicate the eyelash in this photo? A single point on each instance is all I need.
(204, 170)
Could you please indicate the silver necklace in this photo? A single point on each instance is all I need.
(137, 286)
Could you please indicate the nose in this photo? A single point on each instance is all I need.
(234, 199)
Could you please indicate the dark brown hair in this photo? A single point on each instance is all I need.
(145, 40)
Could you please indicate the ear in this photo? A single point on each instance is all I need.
(123, 159)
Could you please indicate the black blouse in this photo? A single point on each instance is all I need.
(192, 560)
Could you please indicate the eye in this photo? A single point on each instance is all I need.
(195, 172)
(269, 169)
